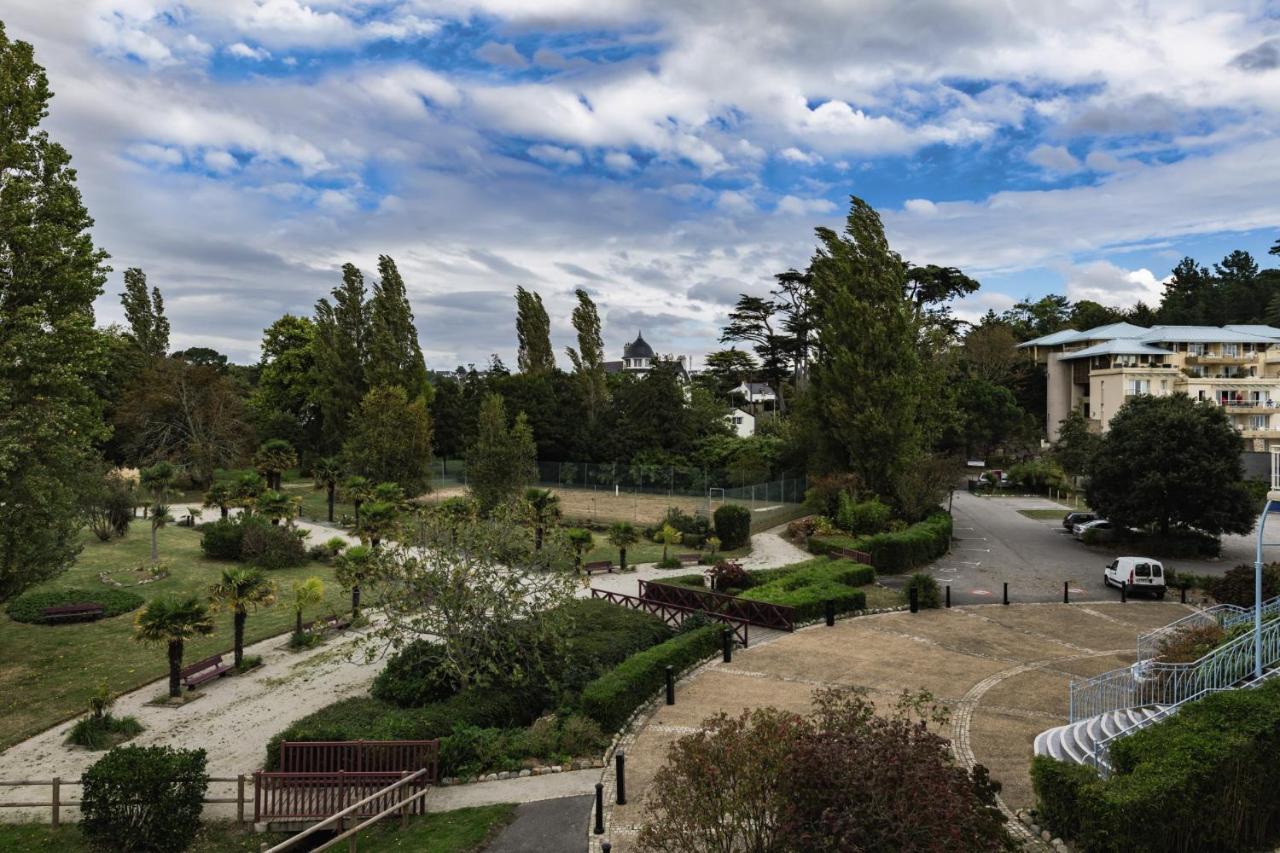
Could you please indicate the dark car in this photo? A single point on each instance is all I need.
(1073, 518)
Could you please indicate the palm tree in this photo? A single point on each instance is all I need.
(237, 591)
(621, 536)
(326, 473)
(157, 479)
(379, 520)
(173, 621)
(274, 506)
(357, 490)
(580, 541)
(543, 509)
(305, 593)
(353, 568)
(221, 496)
(273, 458)
(668, 536)
(246, 489)
(388, 492)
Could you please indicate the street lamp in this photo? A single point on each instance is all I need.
(1273, 501)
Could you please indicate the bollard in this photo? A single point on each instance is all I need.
(831, 612)
(1066, 593)
(599, 830)
(240, 799)
(671, 686)
(913, 595)
(1006, 592)
(726, 640)
(1124, 592)
(948, 595)
(606, 847)
(620, 771)
(1182, 593)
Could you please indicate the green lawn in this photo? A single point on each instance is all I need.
(49, 671)
(1045, 514)
(461, 831)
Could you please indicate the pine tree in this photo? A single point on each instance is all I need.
(588, 358)
(145, 313)
(50, 354)
(341, 353)
(390, 439)
(501, 460)
(395, 357)
(533, 334)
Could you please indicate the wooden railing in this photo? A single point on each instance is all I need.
(312, 796)
(359, 756)
(391, 802)
(57, 802)
(673, 614)
(776, 616)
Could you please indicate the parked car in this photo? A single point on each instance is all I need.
(1071, 519)
(1135, 574)
(1099, 524)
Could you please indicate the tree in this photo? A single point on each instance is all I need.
(173, 621)
(157, 482)
(1076, 444)
(1171, 462)
(500, 461)
(378, 521)
(543, 507)
(533, 334)
(395, 357)
(305, 594)
(284, 402)
(239, 590)
(580, 541)
(273, 458)
(354, 568)
(868, 380)
(108, 503)
(990, 352)
(727, 369)
(752, 321)
(1034, 319)
(51, 357)
(588, 358)
(356, 490)
(390, 439)
(273, 506)
(202, 356)
(246, 489)
(622, 536)
(145, 313)
(220, 495)
(326, 474)
(341, 352)
(668, 536)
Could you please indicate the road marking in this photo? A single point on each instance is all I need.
(969, 563)
(979, 592)
(983, 550)
(1078, 591)
(961, 528)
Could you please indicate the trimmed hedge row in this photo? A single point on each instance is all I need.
(809, 585)
(30, 607)
(1205, 779)
(611, 698)
(900, 551)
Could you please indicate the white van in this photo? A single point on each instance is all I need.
(1136, 574)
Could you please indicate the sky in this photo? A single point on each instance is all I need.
(666, 156)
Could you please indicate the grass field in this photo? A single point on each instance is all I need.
(460, 831)
(49, 671)
(1045, 514)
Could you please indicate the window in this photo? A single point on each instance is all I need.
(1195, 349)
(1258, 422)
(1143, 570)
(1133, 387)
(1164, 386)
(1156, 571)
(1230, 350)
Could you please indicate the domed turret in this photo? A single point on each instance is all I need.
(639, 348)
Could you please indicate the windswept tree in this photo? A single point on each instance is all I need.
(144, 310)
(500, 461)
(588, 358)
(51, 357)
(283, 402)
(341, 352)
(534, 355)
(394, 354)
(173, 621)
(753, 320)
(390, 439)
(241, 590)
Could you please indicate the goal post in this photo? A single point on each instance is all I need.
(712, 491)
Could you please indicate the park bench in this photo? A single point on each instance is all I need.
(73, 612)
(333, 622)
(851, 554)
(688, 559)
(598, 566)
(206, 670)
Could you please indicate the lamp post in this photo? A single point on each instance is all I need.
(1273, 500)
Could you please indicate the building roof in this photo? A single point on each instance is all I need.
(1203, 335)
(756, 388)
(1264, 331)
(1098, 333)
(1236, 334)
(612, 366)
(638, 348)
(1119, 346)
(1052, 339)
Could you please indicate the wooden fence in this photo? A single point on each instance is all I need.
(776, 616)
(673, 614)
(57, 801)
(312, 796)
(359, 756)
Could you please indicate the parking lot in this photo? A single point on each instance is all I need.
(994, 544)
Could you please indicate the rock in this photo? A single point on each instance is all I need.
(525, 772)
(599, 762)
(504, 775)
(557, 769)
(1035, 829)
(1059, 845)
(1046, 834)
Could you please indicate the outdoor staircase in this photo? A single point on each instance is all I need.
(1078, 742)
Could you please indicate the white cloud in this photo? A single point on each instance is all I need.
(794, 155)
(1107, 284)
(619, 161)
(496, 53)
(157, 154)
(920, 207)
(220, 161)
(735, 203)
(1054, 158)
(556, 155)
(795, 206)
(243, 51)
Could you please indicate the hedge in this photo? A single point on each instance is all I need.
(30, 607)
(809, 585)
(144, 798)
(900, 551)
(611, 698)
(1204, 779)
(733, 526)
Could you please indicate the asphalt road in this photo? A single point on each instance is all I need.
(994, 544)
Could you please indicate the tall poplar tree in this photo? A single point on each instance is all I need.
(869, 381)
(533, 334)
(50, 354)
(145, 312)
(341, 353)
(395, 357)
(588, 358)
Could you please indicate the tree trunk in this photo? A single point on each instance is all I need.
(155, 546)
(537, 538)
(275, 522)
(622, 559)
(175, 668)
(238, 623)
(223, 507)
(356, 504)
(355, 600)
(297, 625)
(332, 489)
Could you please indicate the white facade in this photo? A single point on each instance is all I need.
(742, 423)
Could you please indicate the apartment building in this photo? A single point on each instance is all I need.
(1237, 367)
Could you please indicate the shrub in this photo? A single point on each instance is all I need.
(221, 539)
(30, 607)
(726, 575)
(733, 526)
(413, 677)
(1190, 643)
(1236, 586)
(686, 523)
(144, 798)
(894, 552)
(864, 518)
(103, 732)
(611, 699)
(1039, 476)
(271, 546)
(801, 528)
(808, 586)
(927, 592)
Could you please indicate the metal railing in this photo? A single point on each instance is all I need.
(1225, 616)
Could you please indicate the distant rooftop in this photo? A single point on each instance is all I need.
(1234, 334)
(1119, 346)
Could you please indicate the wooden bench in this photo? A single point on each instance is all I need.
(73, 612)
(688, 559)
(206, 670)
(598, 566)
(333, 622)
(851, 554)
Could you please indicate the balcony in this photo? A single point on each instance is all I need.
(1249, 407)
(1208, 358)
(1255, 432)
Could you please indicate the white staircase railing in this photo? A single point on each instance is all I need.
(1224, 615)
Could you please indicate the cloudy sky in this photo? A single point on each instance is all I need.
(664, 155)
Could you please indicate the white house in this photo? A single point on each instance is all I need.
(639, 358)
(743, 423)
(758, 395)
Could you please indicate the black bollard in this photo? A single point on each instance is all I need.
(606, 847)
(1066, 593)
(620, 771)
(726, 639)
(948, 595)
(1124, 593)
(831, 612)
(671, 686)
(1006, 592)
(1182, 593)
(913, 595)
(599, 830)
